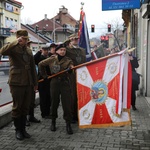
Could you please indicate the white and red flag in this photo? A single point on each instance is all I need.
(104, 92)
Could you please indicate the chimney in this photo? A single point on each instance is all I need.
(45, 17)
(63, 10)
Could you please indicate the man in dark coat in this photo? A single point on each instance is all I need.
(22, 79)
(43, 87)
(135, 80)
(52, 48)
(30, 116)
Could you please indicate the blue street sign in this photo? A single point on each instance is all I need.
(120, 4)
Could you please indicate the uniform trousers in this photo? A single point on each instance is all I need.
(135, 87)
(21, 100)
(45, 98)
(32, 104)
(61, 90)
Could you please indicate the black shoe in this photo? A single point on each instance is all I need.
(134, 108)
(33, 119)
(27, 123)
(47, 117)
(53, 125)
(43, 116)
(73, 121)
(19, 135)
(25, 134)
(69, 129)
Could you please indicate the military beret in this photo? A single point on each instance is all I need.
(22, 33)
(45, 48)
(60, 46)
(53, 45)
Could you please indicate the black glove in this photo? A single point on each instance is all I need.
(69, 70)
(46, 79)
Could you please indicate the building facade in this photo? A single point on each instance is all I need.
(59, 27)
(137, 23)
(144, 46)
(9, 20)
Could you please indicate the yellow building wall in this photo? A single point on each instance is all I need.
(128, 35)
(6, 24)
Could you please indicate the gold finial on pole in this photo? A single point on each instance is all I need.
(82, 5)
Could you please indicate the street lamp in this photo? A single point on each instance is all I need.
(54, 29)
(53, 33)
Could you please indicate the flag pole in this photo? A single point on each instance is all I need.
(61, 72)
(84, 64)
(82, 4)
(131, 49)
(97, 48)
(80, 22)
(75, 67)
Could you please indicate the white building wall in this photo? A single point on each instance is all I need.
(148, 59)
(144, 54)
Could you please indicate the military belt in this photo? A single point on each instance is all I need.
(27, 67)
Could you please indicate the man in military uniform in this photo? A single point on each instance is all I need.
(22, 79)
(60, 85)
(78, 56)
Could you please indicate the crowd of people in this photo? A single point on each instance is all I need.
(55, 81)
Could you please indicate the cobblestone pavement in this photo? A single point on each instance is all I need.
(135, 137)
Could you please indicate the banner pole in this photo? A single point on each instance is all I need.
(84, 64)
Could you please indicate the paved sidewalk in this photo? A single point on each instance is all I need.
(135, 137)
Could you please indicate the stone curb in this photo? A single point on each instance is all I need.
(5, 113)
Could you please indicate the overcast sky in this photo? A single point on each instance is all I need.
(35, 10)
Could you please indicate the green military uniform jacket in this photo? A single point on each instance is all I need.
(77, 54)
(54, 64)
(22, 67)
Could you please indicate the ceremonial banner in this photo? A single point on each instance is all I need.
(103, 92)
(84, 41)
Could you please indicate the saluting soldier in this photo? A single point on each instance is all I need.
(78, 56)
(22, 78)
(60, 85)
